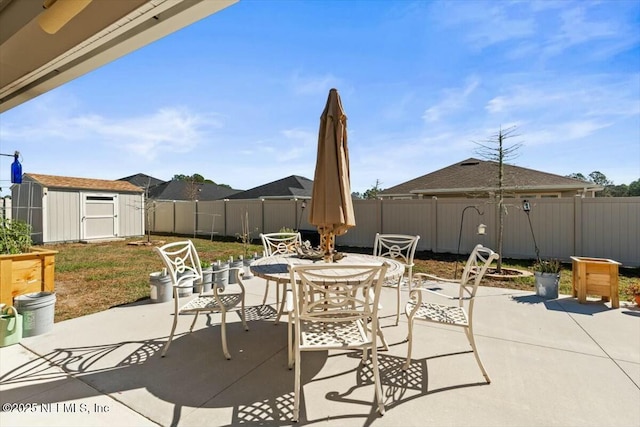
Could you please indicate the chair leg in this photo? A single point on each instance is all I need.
(469, 332)
(194, 321)
(296, 387)
(290, 343)
(407, 363)
(173, 330)
(398, 301)
(243, 316)
(376, 377)
(266, 292)
(282, 305)
(223, 334)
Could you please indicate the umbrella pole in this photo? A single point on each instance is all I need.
(327, 243)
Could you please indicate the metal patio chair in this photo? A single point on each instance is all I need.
(335, 309)
(279, 244)
(455, 311)
(183, 265)
(400, 247)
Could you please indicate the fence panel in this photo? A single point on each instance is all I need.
(210, 218)
(408, 217)
(562, 227)
(368, 223)
(279, 214)
(164, 217)
(236, 210)
(611, 229)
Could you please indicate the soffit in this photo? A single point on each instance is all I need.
(33, 62)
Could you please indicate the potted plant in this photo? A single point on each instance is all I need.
(547, 277)
(29, 269)
(633, 292)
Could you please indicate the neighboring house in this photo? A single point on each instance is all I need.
(142, 180)
(186, 190)
(67, 209)
(291, 187)
(479, 178)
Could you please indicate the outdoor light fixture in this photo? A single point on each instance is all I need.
(526, 207)
(482, 230)
(58, 13)
(16, 168)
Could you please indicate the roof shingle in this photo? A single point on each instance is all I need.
(53, 181)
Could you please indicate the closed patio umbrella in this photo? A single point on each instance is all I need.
(331, 205)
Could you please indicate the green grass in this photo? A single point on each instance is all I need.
(94, 277)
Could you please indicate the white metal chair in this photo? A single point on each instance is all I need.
(335, 309)
(279, 244)
(457, 311)
(400, 247)
(183, 265)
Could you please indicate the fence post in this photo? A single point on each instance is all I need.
(577, 225)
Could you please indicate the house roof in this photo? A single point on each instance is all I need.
(184, 190)
(53, 181)
(473, 175)
(293, 186)
(142, 180)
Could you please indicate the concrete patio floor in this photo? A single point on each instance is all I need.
(552, 363)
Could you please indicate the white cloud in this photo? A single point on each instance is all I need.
(452, 100)
(313, 84)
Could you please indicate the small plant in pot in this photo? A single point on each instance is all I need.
(15, 237)
(547, 277)
(633, 292)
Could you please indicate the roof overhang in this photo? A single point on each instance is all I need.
(33, 61)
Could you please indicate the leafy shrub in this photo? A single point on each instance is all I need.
(547, 266)
(15, 237)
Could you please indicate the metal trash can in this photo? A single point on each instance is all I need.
(37, 311)
(160, 287)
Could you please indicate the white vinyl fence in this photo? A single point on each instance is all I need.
(562, 227)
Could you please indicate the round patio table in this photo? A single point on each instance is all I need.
(276, 268)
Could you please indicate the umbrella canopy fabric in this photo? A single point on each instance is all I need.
(331, 204)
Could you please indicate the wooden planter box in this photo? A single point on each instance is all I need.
(595, 276)
(26, 273)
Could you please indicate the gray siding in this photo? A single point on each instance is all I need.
(131, 214)
(62, 216)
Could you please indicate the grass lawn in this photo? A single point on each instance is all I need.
(94, 277)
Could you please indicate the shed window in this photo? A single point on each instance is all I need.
(101, 198)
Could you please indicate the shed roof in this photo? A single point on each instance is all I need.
(53, 181)
(293, 186)
(476, 175)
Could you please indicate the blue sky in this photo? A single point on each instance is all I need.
(237, 97)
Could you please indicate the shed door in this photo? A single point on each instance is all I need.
(99, 216)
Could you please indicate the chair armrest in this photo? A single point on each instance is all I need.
(439, 279)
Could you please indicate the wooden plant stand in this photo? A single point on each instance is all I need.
(595, 276)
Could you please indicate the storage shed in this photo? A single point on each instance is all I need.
(66, 209)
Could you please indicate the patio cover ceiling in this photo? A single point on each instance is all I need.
(33, 61)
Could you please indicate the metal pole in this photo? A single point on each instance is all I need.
(455, 274)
